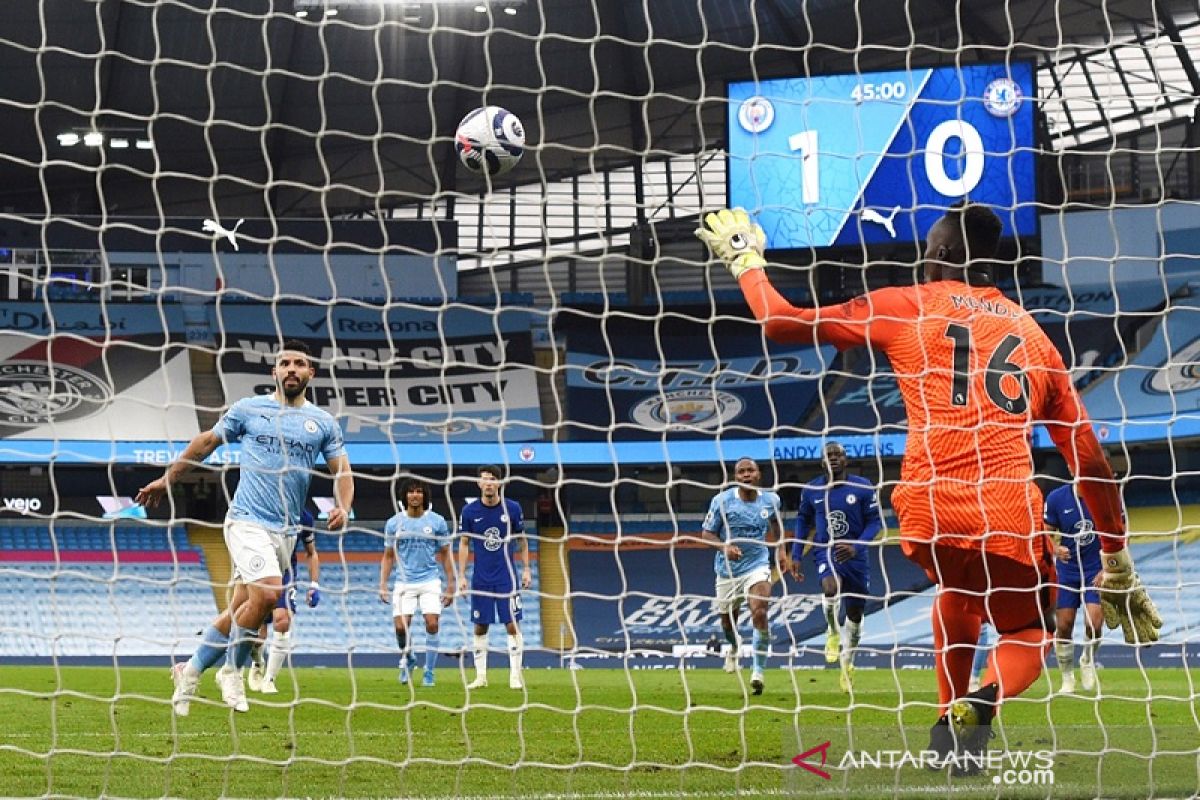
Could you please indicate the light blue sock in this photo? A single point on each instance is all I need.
(981, 653)
(760, 642)
(241, 642)
(211, 650)
(431, 651)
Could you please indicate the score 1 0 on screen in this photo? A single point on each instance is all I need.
(873, 158)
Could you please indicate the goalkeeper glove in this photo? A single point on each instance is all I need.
(1124, 599)
(735, 239)
(314, 595)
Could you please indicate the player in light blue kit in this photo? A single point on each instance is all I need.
(844, 512)
(1077, 563)
(489, 525)
(743, 522)
(282, 435)
(419, 539)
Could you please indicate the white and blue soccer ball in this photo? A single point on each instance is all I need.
(490, 141)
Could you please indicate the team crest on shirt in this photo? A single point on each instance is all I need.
(492, 541)
(764, 513)
(310, 425)
(427, 530)
(851, 500)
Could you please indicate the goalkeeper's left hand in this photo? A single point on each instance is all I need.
(1124, 600)
(314, 595)
(735, 239)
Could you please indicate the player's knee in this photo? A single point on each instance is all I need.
(432, 625)
(283, 625)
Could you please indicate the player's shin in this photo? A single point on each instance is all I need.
(760, 643)
(1064, 651)
(431, 651)
(853, 635)
(212, 647)
(481, 656)
(281, 648)
(516, 651)
(241, 641)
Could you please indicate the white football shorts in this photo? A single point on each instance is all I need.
(257, 551)
(736, 589)
(407, 597)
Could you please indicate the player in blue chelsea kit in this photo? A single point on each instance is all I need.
(419, 539)
(1077, 563)
(261, 677)
(742, 522)
(844, 511)
(488, 527)
(282, 435)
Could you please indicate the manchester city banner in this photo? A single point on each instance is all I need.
(395, 374)
(682, 377)
(76, 371)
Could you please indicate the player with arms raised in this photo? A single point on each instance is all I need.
(976, 372)
(419, 540)
(488, 527)
(742, 522)
(282, 434)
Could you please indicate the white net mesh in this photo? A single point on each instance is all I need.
(190, 183)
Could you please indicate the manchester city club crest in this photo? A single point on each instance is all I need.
(34, 393)
(696, 409)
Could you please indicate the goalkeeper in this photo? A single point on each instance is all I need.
(976, 372)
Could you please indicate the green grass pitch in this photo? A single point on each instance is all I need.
(88, 732)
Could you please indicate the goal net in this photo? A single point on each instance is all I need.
(193, 184)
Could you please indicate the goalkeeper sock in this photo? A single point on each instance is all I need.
(240, 641)
(281, 646)
(955, 632)
(1017, 661)
(431, 651)
(256, 653)
(1064, 651)
(830, 606)
(516, 651)
(853, 636)
(761, 642)
(211, 650)
(481, 655)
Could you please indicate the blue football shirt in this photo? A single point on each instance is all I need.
(491, 529)
(845, 511)
(1071, 517)
(746, 525)
(417, 541)
(280, 445)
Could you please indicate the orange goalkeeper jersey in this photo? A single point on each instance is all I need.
(976, 372)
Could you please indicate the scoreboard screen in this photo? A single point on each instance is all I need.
(871, 158)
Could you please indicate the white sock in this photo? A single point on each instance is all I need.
(1065, 652)
(281, 646)
(853, 635)
(481, 654)
(1089, 652)
(516, 651)
(830, 606)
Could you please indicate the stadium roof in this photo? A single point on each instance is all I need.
(238, 96)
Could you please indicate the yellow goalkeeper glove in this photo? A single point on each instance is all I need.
(735, 239)
(1124, 599)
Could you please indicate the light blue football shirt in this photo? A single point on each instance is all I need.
(417, 541)
(280, 445)
(746, 525)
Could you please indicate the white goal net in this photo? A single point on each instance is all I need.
(191, 184)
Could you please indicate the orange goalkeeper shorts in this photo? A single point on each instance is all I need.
(1010, 595)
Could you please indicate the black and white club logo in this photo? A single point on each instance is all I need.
(34, 393)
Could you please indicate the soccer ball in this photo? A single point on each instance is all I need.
(490, 140)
